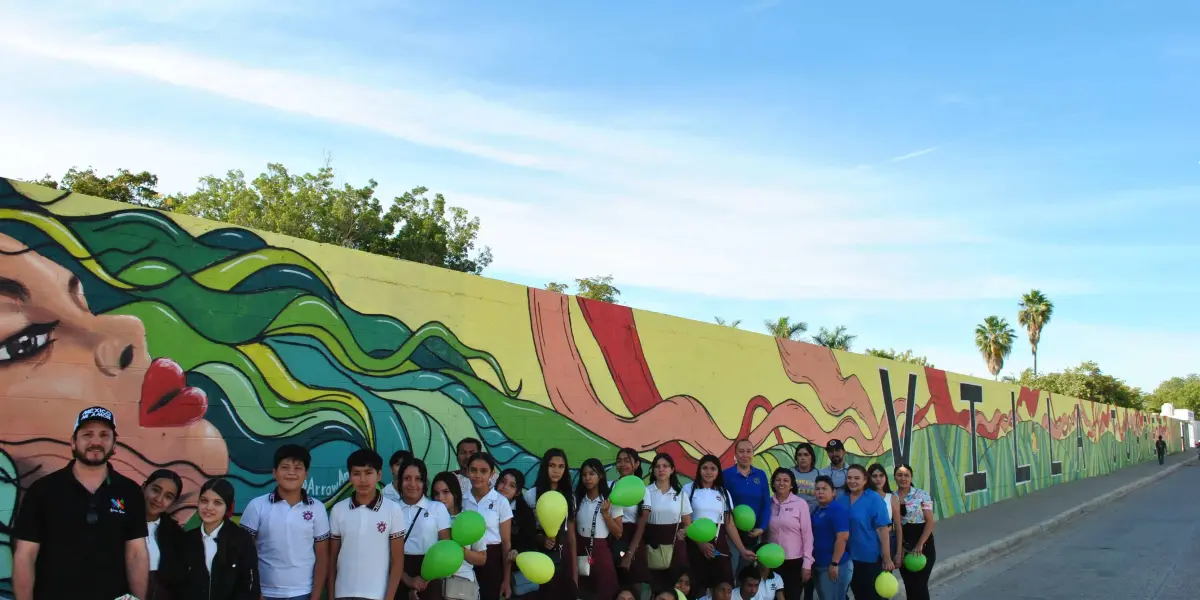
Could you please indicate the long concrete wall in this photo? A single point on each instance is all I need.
(214, 345)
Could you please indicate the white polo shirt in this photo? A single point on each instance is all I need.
(666, 508)
(285, 536)
(707, 503)
(587, 511)
(768, 587)
(366, 532)
(422, 523)
(495, 510)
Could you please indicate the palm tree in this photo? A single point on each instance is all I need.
(724, 323)
(994, 338)
(836, 339)
(1035, 313)
(784, 328)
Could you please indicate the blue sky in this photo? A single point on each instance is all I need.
(904, 169)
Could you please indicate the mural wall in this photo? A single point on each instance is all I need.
(214, 345)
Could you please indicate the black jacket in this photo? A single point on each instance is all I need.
(234, 568)
(166, 581)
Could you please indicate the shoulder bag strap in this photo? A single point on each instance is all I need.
(408, 532)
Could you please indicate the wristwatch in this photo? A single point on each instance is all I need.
(833, 564)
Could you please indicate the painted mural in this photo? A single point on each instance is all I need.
(213, 345)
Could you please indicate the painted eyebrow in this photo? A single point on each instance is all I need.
(14, 289)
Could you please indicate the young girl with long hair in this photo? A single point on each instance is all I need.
(663, 523)
(596, 518)
(710, 562)
(220, 558)
(554, 474)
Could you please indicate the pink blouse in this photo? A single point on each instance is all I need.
(791, 528)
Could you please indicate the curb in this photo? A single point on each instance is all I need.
(952, 568)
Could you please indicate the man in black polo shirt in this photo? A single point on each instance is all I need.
(81, 530)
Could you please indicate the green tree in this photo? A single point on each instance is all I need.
(598, 288)
(123, 186)
(994, 339)
(906, 356)
(557, 287)
(784, 328)
(835, 338)
(1181, 392)
(1035, 313)
(1086, 382)
(735, 323)
(311, 206)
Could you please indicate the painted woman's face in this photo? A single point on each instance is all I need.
(57, 358)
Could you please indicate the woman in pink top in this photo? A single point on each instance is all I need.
(791, 528)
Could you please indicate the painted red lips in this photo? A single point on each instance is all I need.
(167, 401)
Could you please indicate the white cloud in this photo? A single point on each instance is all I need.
(656, 209)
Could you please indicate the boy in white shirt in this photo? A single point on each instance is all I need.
(749, 582)
(291, 531)
(770, 586)
(722, 591)
(367, 536)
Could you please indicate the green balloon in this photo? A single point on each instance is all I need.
(441, 560)
(628, 491)
(886, 585)
(744, 517)
(702, 531)
(468, 528)
(771, 555)
(914, 562)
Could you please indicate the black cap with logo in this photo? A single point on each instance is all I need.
(98, 414)
(834, 444)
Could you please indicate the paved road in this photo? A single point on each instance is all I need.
(1145, 545)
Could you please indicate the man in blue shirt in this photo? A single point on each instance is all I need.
(749, 485)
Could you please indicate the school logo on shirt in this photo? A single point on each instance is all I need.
(381, 526)
(118, 506)
(308, 515)
(755, 481)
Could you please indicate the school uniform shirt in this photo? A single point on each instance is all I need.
(708, 503)
(391, 493)
(495, 510)
(867, 514)
(210, 545)
(152, 543)
(587, 513)
(366, 532)
(531, 499)
(466, 570)
(630, 514)
(423, 522)
(768, 587)
(753, 490)
(285, 536)
(666, 508)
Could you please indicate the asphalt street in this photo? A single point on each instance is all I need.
(1146, 545)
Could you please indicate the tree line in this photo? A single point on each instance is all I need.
(424, 228)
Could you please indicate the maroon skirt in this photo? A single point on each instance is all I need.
(638, 572)
(412, 568)
(602, 582)
(658, 535)
(491, 574)
(562, 585)
(708, 572)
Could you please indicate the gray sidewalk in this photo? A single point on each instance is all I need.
(966, 540)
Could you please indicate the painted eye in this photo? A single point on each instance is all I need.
(26, 343)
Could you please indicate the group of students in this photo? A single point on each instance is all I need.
(839, 528)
